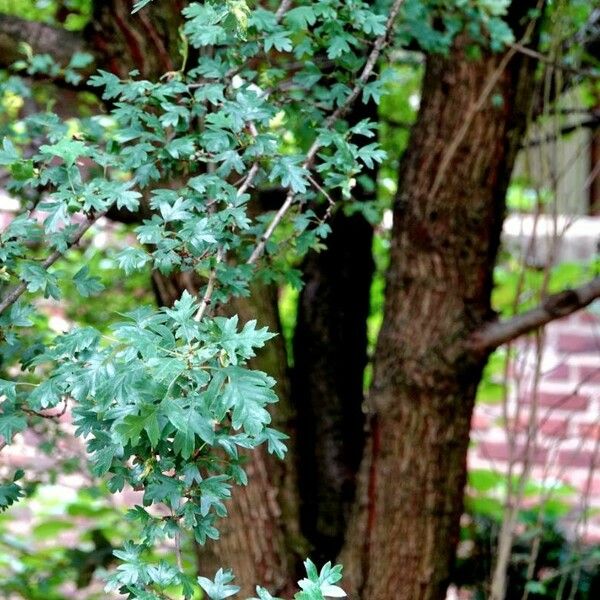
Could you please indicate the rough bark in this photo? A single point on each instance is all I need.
(148, 41)
(330, 354)
(447, 223)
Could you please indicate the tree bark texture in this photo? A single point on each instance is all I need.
(330, 355)
(148, 41)
(446, 231)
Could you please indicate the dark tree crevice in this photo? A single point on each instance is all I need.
(330, 355)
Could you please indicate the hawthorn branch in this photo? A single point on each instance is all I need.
(556, 306)
(212, 278)
(20, 289)
(283, 8)
(337, 114)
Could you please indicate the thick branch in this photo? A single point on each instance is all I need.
(553, 307)
(43, 39)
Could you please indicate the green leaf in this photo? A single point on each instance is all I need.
(11, 492)
(188, 423)
(275, 443)
(263, 594)
(219, 588)
(291, 175)
(22, 170)
(371, 154)
(139, 4)
(67, 149)
(246, 393)
(11, 423)
(300, 17)
(86, 284)
(8, 154)
(338, 45)
(132, 259)
(80, 60)
(132, 426)
(279, 40)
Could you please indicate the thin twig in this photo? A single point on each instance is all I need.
(210, 287)
(561, 66)
(283, 8)
(57, 415)
(212, 278)
(18, 291)
(330, 200)
(248, 180)
(366, 73)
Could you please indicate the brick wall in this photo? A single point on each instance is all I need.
(565, 406)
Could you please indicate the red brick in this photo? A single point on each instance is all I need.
(480, 422)
(500, 451)
(578, 458)
(550, 427)
(571, 342)
(594, 487)
(554, 428)
(586, 316)
(564, 401)
(558, 373)
(590, 430)
(589, 374)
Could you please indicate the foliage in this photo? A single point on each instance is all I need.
(544, 563)
(163, 398)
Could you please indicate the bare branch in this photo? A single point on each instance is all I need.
(43, 39)
(18, 291)
(366, 73)
(561, 66)
(283, 8)
(554, 307)
(591, 123)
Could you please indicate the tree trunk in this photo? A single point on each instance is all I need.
(447, 221)
(148, 41)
